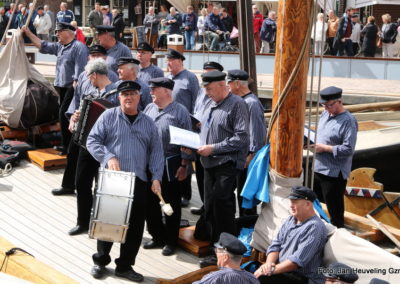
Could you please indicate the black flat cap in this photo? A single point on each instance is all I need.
(235, 75)
(128, 86)
(213, 76)
(126, 60)
(161, 82)
(231, 244)
(145, 46)
(40, 8)
(104, 29)
(172, 53)
(330, 93)
(97, 49)
(378, 281)
(213, 65)
(341, 272)
(64, 26)
(302, 192)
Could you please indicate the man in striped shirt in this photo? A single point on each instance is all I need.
(147, 69)
(336, 142)
(225, 139)
(165, 112)
(124, 139)
(239, 85)
(295, 255)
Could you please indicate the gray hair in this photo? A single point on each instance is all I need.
(235, 258)
(98, 66)
(243, 83)
(271, 13)
(133, 67)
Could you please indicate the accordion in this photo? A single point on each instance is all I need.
(91, 109)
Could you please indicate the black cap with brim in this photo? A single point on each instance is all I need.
(213, 76)
(237, 75)
(97, 49)
(213, 65)
(145, 46)
(341, 272)
(161, 82)
(127, 60)
(231, 244)
(330, 93)
(128, 86)
(172, 53)
(60, 26)
(104, 29)
(302, 192)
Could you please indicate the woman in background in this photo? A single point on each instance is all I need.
(370, 34)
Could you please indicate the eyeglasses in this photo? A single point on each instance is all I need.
(328, 105)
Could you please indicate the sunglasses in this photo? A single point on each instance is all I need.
(328, 105)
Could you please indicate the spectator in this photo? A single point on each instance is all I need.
(318, 34)
(118, 24)
(3, 21)
(42, 24)
(95, 17)
(162, 15)
(268, 32)
(388, 36)
(106, 18)
(370, 33)
(21, 21)
(356, 34)
(226, 20)
(151, 22)
(333, 23)
(53, 20)
(201, 24)
(78, 33)
(34, 13)
(189, 24)
(173, 22)
(257, 23)
(65, 15)
(214, 28)
(342, 41)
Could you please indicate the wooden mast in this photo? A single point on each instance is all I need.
(287, 131)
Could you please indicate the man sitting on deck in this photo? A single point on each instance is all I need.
(296, 253)
(229, 251)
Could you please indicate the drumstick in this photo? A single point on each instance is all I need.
(166, 207)
(161, 198)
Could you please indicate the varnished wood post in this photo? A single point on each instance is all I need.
(246, 41)
(287, 131)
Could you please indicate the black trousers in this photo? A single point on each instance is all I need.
(130, 248)
(167, 233)
(68, 180)
(240, 181)
(332, 50)
(200, 177)
(331, 190)
(284, 278)
(219, 199)
(66, 95)
(86, 172)
(186, 186)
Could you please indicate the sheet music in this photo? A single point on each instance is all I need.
(312, 134)
(184, 137)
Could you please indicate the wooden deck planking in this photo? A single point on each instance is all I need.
(29, 212)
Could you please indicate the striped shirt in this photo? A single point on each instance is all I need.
(302, 244)
(185, 89)
(136, 145)
(71, 60)
(145, 96)
(85, 87)
(115, 53)
(174, 114)
(258, 128)
(340, 131)
(150, 72)
(203, 102)
(225, 126)
(228, 275)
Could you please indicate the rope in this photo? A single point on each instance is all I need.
(7, 256)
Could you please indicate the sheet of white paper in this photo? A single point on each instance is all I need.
(312, 134)
(184, 137)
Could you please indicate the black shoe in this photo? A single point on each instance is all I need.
(152, 244)
(98, 271)
(197, 211)
(130, 275)
(185, 202)
(168, 250)
(208, 261)
(77, 230)
(63, 191)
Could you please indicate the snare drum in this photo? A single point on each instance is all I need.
(112, 208)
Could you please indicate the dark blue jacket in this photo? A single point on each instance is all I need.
(268, 30)
(174, 28)
(190, 20)
(214, 23)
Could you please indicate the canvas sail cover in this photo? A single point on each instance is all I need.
(39, 102)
